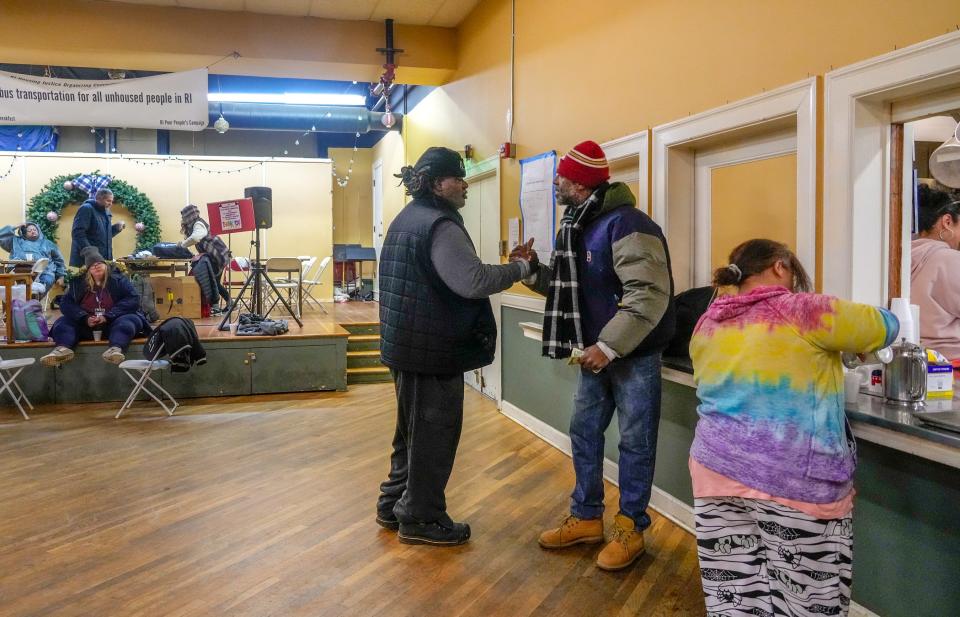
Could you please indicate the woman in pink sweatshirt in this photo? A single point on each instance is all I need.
(935, 271)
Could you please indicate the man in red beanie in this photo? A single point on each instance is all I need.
(609, 307)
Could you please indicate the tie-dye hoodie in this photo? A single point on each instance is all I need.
(770, 384)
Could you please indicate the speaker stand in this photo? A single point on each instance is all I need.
(255, 282)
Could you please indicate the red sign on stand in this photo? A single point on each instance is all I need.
(232, 216)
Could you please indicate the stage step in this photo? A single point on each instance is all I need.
(373, 374)
(363, 354)
(362, 359)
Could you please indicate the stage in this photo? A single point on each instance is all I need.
(308, 359)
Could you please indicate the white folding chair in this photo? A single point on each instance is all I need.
(313, 281)
(145, 368)
(288, 265)
(9, 370)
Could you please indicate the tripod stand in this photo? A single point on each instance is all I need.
(255, 282)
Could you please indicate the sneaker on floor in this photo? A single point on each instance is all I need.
(388, 520)
(59, 355)
(573, 530)
(625, 547)
(113, 355)
(438, 533)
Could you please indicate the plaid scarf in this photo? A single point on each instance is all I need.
(561, 319)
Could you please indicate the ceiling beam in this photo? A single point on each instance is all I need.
(87, 33)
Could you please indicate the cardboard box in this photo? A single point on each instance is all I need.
(176, 296)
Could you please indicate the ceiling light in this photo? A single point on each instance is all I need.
(288, 98)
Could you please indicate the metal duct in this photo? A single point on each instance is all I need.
(319, 118)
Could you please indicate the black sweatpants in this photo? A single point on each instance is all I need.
(429, 419)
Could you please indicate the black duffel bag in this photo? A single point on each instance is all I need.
(170, 250)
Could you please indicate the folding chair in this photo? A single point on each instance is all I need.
(287, 265)
(310, 283)
(9, 370)
(145, 368)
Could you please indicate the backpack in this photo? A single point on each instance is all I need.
(29, 324)
(148, 304)
(690, 306)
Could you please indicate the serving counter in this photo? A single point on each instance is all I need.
(907, 541)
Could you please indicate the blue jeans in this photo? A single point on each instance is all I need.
(630, 385)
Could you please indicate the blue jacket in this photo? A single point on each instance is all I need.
(626, 285)
(18, 246)
(126, 301)
(92, 227)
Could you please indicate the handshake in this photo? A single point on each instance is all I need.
(525, 251)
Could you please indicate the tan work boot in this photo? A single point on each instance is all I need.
(59, 355)
(625, 546)
(572, 531)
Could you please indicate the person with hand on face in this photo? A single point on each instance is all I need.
(100, 298)
(934, 267)
(436, 322)
(28, 243)
(609, 301)
(92, 226)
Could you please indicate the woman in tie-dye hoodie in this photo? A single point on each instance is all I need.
(773, 458)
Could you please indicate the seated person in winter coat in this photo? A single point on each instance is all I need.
(27, 242)
(196, 232)
(99, 298)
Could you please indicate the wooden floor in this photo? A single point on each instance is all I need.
(263, 506)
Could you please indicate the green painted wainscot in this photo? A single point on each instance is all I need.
(235, 366)
(907, 509)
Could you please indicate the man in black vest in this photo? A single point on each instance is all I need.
(436, 322)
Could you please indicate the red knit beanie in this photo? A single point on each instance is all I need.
(585, 164)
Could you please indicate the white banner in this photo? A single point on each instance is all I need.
(175, 101)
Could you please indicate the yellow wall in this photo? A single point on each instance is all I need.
(604, 70)
(752, 200)
(302, 214)
(352, 204)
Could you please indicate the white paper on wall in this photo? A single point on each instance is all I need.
(537, 202)
(513, 233)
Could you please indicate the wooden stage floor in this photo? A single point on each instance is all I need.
(264, 506)
(315, 322)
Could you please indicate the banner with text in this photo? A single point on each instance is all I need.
(175, 101)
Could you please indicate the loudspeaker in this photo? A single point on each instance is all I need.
(262, 197)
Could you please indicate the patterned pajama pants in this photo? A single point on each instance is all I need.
(761, 558)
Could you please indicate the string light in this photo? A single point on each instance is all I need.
(9, 169)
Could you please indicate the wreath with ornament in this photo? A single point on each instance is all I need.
(45, 208)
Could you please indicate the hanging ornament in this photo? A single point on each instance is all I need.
(139, 227)
(388, 120)
(221, 125)
(52, 216)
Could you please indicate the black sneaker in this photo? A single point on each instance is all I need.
(438, 533)
(388, 520)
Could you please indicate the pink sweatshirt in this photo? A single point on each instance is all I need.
(935, 287)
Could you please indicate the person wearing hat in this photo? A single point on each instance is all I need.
(101, 299)
(436, 322)
(196, 232)
(609, 308)
(28, 243)
(92, 226)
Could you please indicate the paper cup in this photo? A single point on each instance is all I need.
(851, 388)
(97, 335)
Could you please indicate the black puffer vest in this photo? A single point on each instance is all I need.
(424, 326)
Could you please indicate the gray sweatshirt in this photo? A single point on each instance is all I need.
(456, 261)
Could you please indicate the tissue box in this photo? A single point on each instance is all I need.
(939, 376)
